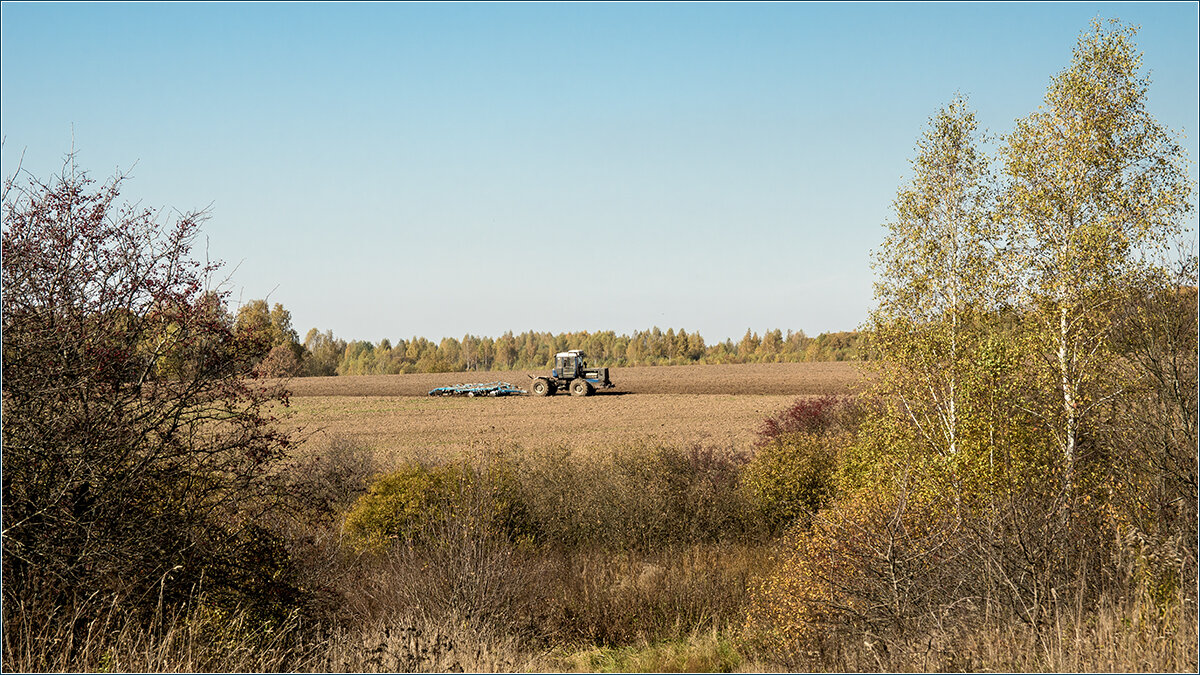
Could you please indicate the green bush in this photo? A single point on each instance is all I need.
(791, 478)
(403, 504)
(407, 504)
(799, 450)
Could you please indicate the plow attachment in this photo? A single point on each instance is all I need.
(486, 389)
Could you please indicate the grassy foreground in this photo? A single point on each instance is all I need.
(638, 560)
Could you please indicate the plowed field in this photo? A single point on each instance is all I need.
(794, 379)
(709, 404)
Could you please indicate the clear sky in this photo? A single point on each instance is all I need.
(389, 170)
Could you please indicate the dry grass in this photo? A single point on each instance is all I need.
(651, 406)
(1111, 638)
(702, 651)
(1108, 639)
(206, 642)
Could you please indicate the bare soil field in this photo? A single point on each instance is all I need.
(796, 379)
(393, 416)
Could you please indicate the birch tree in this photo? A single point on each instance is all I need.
(937, 284)
(1094, 182)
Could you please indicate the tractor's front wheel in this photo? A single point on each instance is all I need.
(580, 387)
(541, 387)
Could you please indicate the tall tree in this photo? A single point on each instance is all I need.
(1093, 182)
(748, 345)
(937, 280)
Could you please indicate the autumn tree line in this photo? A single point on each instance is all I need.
(322, 354)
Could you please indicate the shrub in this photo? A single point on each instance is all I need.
(875, 564)
(332, 474)
(811, 415)
(448, 541)
(636, 497)
(798, 451)
(404, 506)
(792, 478)
(461, 566)
(701, 498)
(619, 598)
(138, 445)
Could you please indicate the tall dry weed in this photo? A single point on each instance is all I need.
(643, 498)
(608, 599)
(198, 639)
(203, 641)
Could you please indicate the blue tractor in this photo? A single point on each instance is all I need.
(571, 372)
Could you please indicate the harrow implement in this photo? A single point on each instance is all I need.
(484, 389)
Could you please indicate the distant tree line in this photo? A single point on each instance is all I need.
(322, 354)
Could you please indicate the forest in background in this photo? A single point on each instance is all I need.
(322, 354)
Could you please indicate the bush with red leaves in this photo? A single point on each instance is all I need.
(137, 444)
(808, 415)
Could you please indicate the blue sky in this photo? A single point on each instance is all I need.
(385, 170)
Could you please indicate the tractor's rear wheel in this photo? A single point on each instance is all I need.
(541, 387)
(580, 387)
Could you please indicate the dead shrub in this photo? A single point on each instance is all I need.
(634, 497)
(334, 472)
(438, 541)
(465, 566)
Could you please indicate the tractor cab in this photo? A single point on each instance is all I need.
(569, 365)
